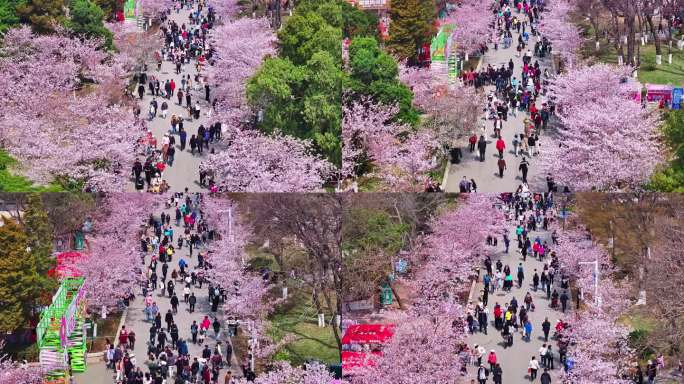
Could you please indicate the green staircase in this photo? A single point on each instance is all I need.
(67, 308)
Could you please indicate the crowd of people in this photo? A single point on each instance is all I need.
(531, 215)
(509, 95)
(184, 46)
(179, 280)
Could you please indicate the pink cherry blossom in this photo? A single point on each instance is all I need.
(256, 162)
(605, 139)
(472, 20)
(111, 265)
(564, 34)
(240, 47)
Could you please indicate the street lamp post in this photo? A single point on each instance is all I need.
(597, 301)
(231, 237)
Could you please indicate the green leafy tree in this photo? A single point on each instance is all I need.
(357, 23)
(323, 108)
(8, 14)
(307, 33)
(300, 91)
(110, 7)
(413, 23)
(86, 19)
(274, 89)
(17, 274)
(43, 15)
(40, 236)
(298, 100)
(375, 73)
(671, 178)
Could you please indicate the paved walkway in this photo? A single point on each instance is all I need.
(185, 170)
(514, 361)
(486, 174)
(136, 320)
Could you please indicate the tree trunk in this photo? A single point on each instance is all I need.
(631, 32)
(335, 309)
(396, 295)
(617, 40)
(656, 40)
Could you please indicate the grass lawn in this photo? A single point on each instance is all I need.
(10, 182)
(299, 317)
(649, 72)
(105, 329)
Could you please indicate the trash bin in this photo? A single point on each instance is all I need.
(385, 295)
(78, 241)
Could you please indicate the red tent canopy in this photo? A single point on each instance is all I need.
(351, 360)
(64, 262)
(368, 334)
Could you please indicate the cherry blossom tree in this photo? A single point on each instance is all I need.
(400, 155)
(248, 292)
(314, 373)
(428, 333)
(111, 266)
(240, 47)
(228, 261)
(225, 9)
(55, 121)
(564, 34)
(155, 8)
(472, 20)
(422, 350)
(589, 84)
(412, 158)
(256, 162)
(598, 344)
(367, 128)
(453, 113)
(422, 82)
(34, 67)
(605, 141)
(598, 349)
(12, 373)
(135, 48)
(456, 245)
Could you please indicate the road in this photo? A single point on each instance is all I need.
(514, 361)
(486, 174)
(184, 173)
(136, 319)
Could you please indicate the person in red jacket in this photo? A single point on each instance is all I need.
(491, 359)
(502, 166)
(500, 146)
(498, 320)
(472, 140)
(123, 336)
(173, 87)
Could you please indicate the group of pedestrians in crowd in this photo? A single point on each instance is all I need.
(508, 94)
(183, 90)
(180, 228)
(531, 215)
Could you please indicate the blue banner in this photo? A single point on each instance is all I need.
(677, 98)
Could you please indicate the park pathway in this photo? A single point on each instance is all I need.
(486, 174)
(136, 319)
(514, 360)
(185, 170)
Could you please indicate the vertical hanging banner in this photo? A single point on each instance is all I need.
(129, 9)
(677, 98)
